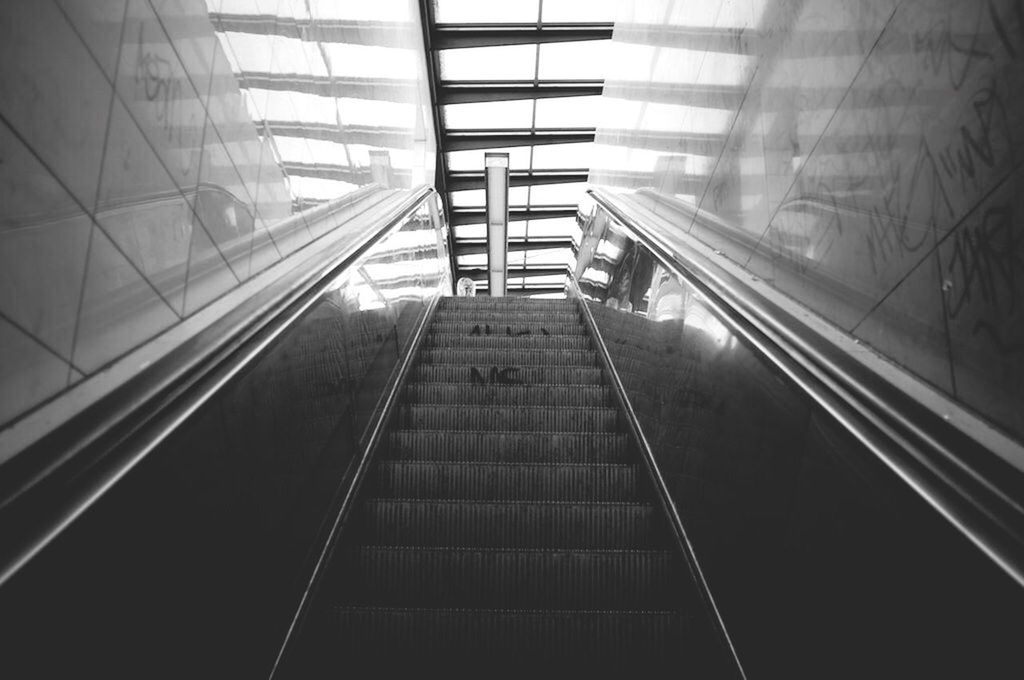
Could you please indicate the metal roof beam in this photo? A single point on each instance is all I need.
(466, 92)
(479, 247)
(478, 216)
(458, 181)
(518, 272)
(464, 140)
(452, 36)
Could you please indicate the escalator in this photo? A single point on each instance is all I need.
(509, 526)
(380, 479)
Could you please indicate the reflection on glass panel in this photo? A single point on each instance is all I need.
(511, 62)
(275, 53)
(582, 10)
(632, 63)
(557, 194)
(585, 59)
(295, 106)
(370, 61)
(293, 149)
(376, 112)
(477, 11)
(569, 112)
(319, 189)
(622, 113)
(510, 114)
(518, 158)
(563, 156)
(378, 10)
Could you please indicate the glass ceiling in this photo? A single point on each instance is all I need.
(544, 117)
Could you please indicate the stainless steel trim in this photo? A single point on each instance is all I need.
(664, 496)
(112, 437)
(355, 482)
(916, 449)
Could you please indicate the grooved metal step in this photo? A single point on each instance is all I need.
(498, 319)
(518, 375)
(512, 524)
(508, 358)
(451, 340)
(498, 637)
(515, 325)
(509, 303)
(522, 418)
(497, 577)
(505, 481)
(526, 447)
(510, 395)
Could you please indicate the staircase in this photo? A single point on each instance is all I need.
(508, 527)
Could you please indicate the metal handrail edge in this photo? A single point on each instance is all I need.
(984, 518)
(651, 464)
(351, 492)
(134, 425)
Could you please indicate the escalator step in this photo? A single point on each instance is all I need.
(506, 303)
(494, 639)
(512, 524)
(498, 319)
(506, 481)
(526, 447)
(520, 375)
(512, 323)
(521, 418)
(507, 342)
(512, 395)
(495, 578)
(504, 357)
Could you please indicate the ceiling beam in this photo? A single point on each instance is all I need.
(452, 36)
(458, 181)
(695, 143)
(515, 271)
(461, 216)
(479, 246)
(465, 140)
(468, 92)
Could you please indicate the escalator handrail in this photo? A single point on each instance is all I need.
(53, 481)
(977, 491)
(664, 495)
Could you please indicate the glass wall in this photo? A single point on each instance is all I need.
(860, 157)
(157, 154)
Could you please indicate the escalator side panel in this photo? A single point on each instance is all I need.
(193, 564)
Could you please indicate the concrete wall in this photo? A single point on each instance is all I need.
(860, 155)
(139, 178)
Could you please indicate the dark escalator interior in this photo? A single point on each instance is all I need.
(509, 525)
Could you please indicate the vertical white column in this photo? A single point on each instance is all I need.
(496, 183)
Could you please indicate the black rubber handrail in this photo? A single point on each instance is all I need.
(664, 496)
(977, 491)
(49, 484)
